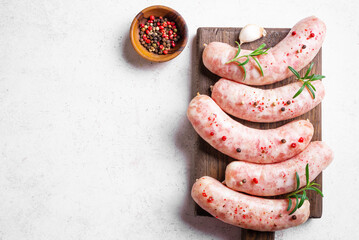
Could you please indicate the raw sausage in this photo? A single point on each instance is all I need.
(258, 105)
(245, 211)
(244, 143)
(278, 178)
(297, 49)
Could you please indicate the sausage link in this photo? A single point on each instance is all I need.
(246, 211)
(278, 178)
(297, 49)
(258, 105)
(244, 143)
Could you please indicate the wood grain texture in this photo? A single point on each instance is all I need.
(209, 161)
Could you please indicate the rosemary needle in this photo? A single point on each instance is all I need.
(306, 80)
(257, 52)
(301, 193)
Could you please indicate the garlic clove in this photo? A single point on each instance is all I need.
(251, 32)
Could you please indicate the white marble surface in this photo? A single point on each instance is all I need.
(94, 140)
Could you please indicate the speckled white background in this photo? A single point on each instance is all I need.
(94, 141)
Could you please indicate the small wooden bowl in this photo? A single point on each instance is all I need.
(158, 11)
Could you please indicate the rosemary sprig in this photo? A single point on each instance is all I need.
(257, 52)
(306, 80)
(296, 194)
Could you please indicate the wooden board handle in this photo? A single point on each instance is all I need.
(255, 235)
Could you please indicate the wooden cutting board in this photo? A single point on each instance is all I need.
(209, 161)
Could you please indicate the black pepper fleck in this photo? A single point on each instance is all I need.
(294, 217)
(288, 102)
(304, 47)
(238, 150)
(282, 109)
(244, 181)
(283, 140)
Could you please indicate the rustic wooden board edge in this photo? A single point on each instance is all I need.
(198, 85)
